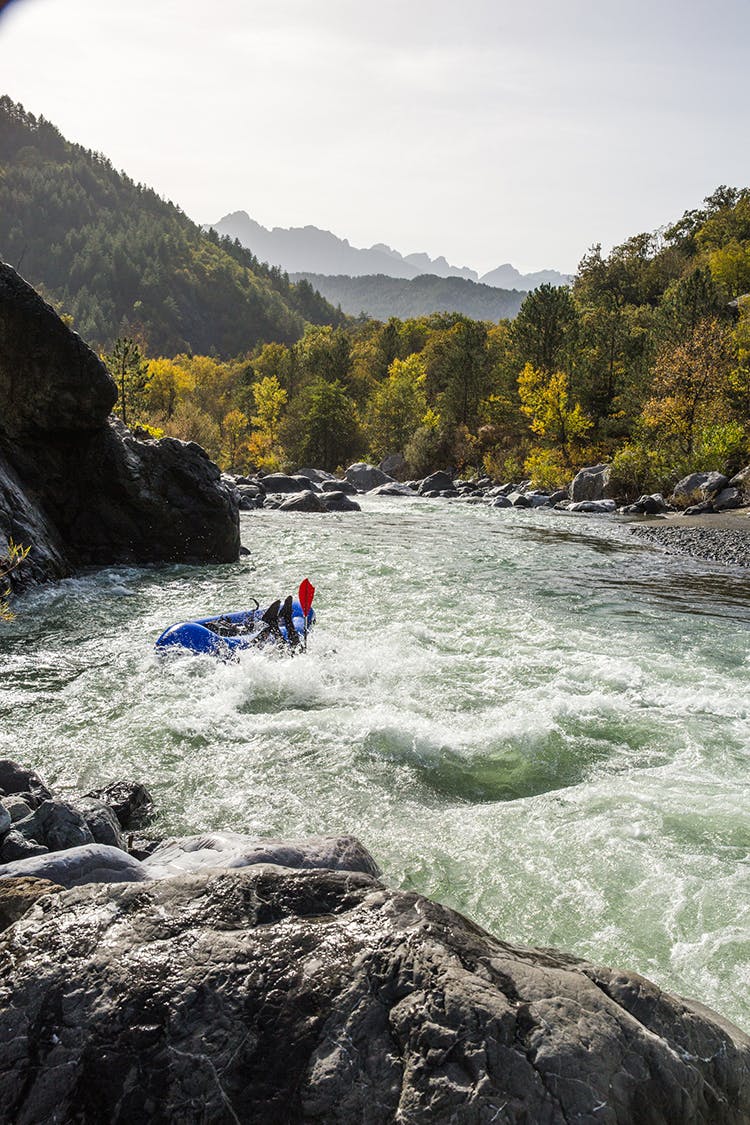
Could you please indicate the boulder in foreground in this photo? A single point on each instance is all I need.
(275, 996)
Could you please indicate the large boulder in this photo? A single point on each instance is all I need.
(57, 825)
(15, 778)
(339, 502)
(591, 483)
(728, 498)
(282, 483)
(697, 488)
(339, 486)
(364, 477)
(741, 480)
(319, 476)
(74, 483)
(306, 501)
(436, 482)
(394, 465)
(266, 995)
(101, 821)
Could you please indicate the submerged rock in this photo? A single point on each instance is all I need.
(233, 849)
(274, 996)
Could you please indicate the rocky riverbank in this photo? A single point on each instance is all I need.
(221, 979)
(725, 542)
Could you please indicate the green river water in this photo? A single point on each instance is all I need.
(530, 717)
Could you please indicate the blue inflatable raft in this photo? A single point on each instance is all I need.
(226, 634)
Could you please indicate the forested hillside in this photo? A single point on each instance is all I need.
(644, 362)
(383, 297)
(120, 260)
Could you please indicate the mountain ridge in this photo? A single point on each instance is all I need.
(312, 250)
(123, 261)
(383, 297)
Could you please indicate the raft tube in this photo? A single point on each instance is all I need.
(195, 636)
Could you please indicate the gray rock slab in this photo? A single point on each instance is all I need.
(233, 849)
(593, 506)
(267, 996)
(74, 867)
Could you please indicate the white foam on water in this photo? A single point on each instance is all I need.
(521, 718)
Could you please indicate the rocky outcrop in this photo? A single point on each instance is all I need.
(74, 483)
(270, 995)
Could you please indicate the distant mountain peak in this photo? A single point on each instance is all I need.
(311, 250)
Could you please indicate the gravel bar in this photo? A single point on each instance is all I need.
(727, 546)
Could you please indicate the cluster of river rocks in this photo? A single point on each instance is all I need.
(223, 978)
(590, 491)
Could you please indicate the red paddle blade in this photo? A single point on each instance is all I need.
(306, 595)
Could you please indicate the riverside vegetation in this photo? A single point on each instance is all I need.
(643, 362)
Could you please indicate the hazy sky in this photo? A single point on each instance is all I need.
(485, 130)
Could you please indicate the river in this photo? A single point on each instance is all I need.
(528, 716)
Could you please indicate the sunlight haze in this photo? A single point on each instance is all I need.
(486, 131)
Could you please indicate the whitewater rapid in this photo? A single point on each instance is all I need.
(529, 716)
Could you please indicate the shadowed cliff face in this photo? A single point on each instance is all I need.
(73, 482)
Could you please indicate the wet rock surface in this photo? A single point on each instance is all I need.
(317, 996)
(17, 896)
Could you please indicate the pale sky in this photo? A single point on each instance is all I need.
(485, 130)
